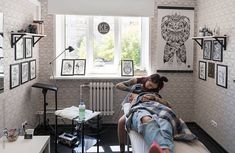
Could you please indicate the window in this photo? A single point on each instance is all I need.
(127, 39)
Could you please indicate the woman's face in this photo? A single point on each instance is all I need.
(150, 85)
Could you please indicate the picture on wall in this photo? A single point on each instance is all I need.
(175, 27)
(67, 67)
(211, 70)
(207, 48)
(19, 49)
(217, 51)
(79, 66)
(127, 68)
(1, 46)
(24, 72)
(222, 75)
(32, 69)
(1, 65)
(28, 47)
(14, 75)
(202, 70)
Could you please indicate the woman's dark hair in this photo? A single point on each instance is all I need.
(156, 78)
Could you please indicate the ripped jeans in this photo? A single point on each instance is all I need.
(157, 129)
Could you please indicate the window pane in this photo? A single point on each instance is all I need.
(131, 39)
(103, 43)
(76, 35)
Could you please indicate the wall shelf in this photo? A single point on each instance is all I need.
(199, 40)
(35, 37)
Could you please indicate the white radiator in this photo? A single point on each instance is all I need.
(101, 97)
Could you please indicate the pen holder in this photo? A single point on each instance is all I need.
(28, 134)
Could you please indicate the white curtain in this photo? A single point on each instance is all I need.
(143, 8)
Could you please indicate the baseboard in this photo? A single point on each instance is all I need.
(213, 141)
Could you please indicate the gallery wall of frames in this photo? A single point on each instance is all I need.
(24, 71)
(212, 54)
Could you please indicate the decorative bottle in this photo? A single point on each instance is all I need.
(82, 108)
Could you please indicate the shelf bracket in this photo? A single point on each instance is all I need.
(17, 39)
(35, 41)
(224, 43)
(199, 43)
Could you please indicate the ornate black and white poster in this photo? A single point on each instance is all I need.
(79, 66)
(222, 75)
(174, 46)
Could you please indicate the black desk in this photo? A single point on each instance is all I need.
(45, 88)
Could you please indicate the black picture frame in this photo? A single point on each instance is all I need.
(14, 75)
(127, 68)
(202, 67)
(67, 67)
(211, 70)
(207, 49)
(28, 47)
(24, 72)
(217, 51)
(32, 69)
(19, 49)
(79, 67)
(222, 75)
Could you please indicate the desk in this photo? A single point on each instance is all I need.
(38, 144)
(71, 113)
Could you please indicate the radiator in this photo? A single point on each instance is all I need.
(101, 97)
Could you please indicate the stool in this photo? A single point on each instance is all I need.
(45, 87)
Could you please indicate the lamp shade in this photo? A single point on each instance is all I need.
(70, 48)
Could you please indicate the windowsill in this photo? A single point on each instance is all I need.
(91, 77)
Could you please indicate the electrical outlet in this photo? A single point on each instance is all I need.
(213, 123)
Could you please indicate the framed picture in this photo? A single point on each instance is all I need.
(175, 27)
(24, 72)
(127, 68)
(207, 47)
(217, 51)
(32, 69)
(211, 70)
(202, 70)
(1, 65)
(67, 67)
(19, 49)
(222, 75)
(28, 47)
(14, 75)
(79, 66)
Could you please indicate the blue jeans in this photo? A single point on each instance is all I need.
(158, 129)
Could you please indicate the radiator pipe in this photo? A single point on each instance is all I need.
(81, 87)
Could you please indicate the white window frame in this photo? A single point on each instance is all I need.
(145, 45)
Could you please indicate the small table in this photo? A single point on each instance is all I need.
(72, 114)
(38, 144)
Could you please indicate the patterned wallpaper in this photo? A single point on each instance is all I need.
(19, 102)
(211, 101)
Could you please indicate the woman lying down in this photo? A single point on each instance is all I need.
(156, 122)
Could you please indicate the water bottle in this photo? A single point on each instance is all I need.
(82, 108)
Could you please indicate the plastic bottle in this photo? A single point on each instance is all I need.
(82, 108)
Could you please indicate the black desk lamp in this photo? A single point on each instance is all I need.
(70, 49)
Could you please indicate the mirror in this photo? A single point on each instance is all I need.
(1, 54)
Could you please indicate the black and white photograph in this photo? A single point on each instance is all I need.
(79, 66)
(175, 48)
(207, 48)
(32, 69)
(1, 65)
(28, 48)
(222, 75)
(67, 67)
(202, 70)
(14, 75)
(127, 68)
(217, 51)
(19, 49)
(1, 46)
(211, 70)
(24, 72)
